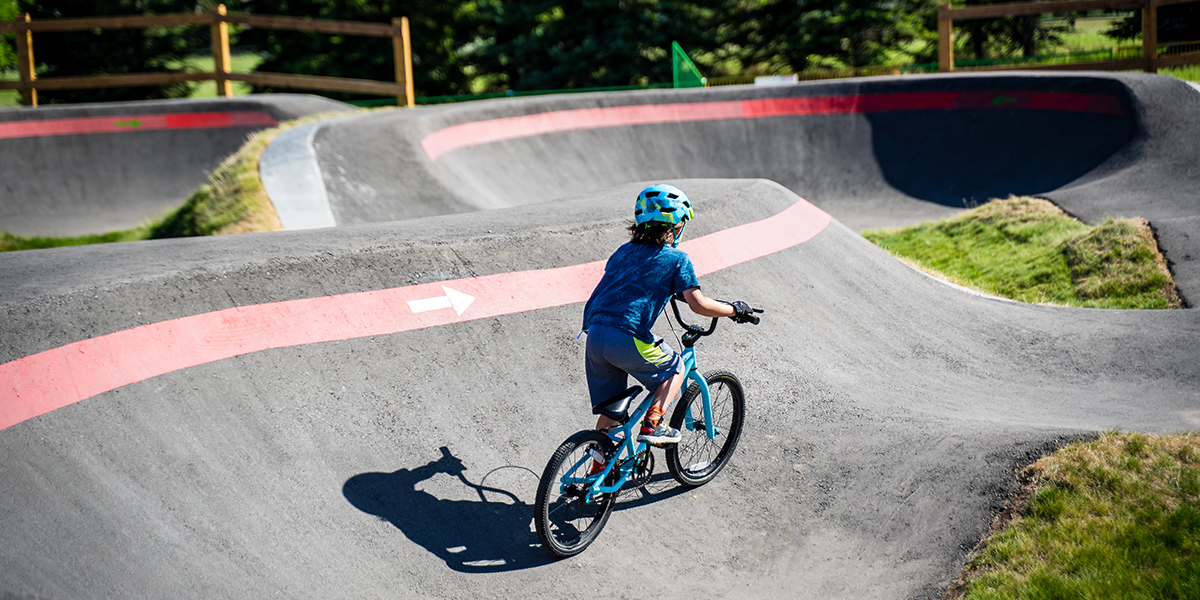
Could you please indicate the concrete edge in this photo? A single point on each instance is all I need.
(292, 179)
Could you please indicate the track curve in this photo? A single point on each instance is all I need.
(887, 410)
(93, 168)
(873, 152)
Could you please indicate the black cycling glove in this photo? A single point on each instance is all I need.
(744, 313)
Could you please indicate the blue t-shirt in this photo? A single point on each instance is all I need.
(638, 280)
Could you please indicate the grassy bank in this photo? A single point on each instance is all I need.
(1117, 517)
(10, 242)
(233, 200)
(1027, 249)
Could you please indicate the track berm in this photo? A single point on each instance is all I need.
(262, 414)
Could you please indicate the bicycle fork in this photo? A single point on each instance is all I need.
(693, 373)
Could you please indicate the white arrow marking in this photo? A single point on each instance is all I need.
(453, 299)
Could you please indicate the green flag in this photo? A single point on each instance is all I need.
(685, 73)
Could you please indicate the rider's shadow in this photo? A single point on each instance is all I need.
(492, 533)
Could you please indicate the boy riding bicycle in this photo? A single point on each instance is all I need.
(639, 279)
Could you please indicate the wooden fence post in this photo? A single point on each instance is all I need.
(222, 65)
(1150, 36)
(945, 39)
(25, 65)
(402, 55)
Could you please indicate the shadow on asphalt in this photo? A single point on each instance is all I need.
(950, 167)
(490, 535)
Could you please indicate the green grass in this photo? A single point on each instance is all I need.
(239, 63)
(9, 98)
(1027, 249)
(1088, 35)
(1186, 73)
(1117, 517)
(9, 241)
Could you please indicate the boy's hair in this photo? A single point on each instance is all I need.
(651, 234)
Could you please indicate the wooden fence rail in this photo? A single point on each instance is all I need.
(218, 20)
(1150, 61)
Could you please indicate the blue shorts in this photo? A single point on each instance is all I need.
(613, 355)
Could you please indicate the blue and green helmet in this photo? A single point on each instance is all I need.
(662, 203)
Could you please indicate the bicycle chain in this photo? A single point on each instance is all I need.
(642, 471)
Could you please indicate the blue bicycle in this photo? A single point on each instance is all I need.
(574, 503)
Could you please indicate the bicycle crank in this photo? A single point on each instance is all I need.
(643, 469)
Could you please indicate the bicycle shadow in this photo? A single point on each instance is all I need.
(488, 535)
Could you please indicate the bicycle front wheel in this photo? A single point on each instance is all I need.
(566, 522)
(695, 460)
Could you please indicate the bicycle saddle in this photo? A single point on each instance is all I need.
(617, 408)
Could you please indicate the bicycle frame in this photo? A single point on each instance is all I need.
(573, 506)
(626, 440)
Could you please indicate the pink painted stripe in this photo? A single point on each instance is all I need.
(126, 123)
(494, 130)
(43, 382)
(865, 103)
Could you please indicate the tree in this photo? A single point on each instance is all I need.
(1178, 23)
(564, 44)
(8, 57)
(112, 51)
(438, 28)
(793, 35)
(1005, 36)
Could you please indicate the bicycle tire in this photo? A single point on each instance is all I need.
(566, 525)
(696, 460)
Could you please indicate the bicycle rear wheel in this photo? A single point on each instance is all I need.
(695, 460)
(566, 523)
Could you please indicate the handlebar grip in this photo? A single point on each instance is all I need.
(744, 313)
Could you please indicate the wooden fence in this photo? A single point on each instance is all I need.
(218, 20)
(1150, 61)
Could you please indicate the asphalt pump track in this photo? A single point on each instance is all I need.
(363, 410)
(92, 168)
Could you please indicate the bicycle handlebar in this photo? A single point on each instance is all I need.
(696, 329)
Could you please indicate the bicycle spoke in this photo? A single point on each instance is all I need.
(566, 521)
(697, 459)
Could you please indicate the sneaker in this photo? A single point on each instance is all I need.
(659, 436)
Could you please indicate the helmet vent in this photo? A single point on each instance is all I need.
(662, 203)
